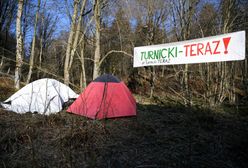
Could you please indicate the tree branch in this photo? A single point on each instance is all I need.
(114, 51)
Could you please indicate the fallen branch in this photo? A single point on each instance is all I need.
(182, 97)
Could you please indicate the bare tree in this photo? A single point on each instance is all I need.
(155, 15)
(19, 45)
(82, 74)
(77, 34)
(97, 56)
(7, 14)
(182, 12)
(31, 60)
(227, 71)
(69, 44)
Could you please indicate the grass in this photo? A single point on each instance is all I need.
(5, 88)
(160, 136)
(168, 135)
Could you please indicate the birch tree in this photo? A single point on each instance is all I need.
(182, 12)
(97, 56)
(82, 74)
(31, 61)
(227, 70)
(73, 38)
(19, 45)
(77, 34)
(150, 20)
(69, 44)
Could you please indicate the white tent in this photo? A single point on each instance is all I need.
(44, 96)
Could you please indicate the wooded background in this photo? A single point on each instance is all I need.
(76, 41)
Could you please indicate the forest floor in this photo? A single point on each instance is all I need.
(160, 136)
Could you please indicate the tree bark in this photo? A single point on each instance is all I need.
(31, 61)
(82, 74)
(69, 44)
(152, 81)
(186, 84)
(19, 45)
(97, 56)
(77, 33)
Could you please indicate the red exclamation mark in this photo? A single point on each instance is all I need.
(226, 42)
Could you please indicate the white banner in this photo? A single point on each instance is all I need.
(226, 47)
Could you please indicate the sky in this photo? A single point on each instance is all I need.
(63, 23)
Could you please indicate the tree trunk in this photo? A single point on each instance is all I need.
(223, 83)
(31, 61)
(152, 81)
(82, 74)
(75, 42)
(24, 24)
(232, 98)
(163, 69)
(186, 84)
(19, 45)
(41, 43)
(40, 54)
(69, 44)
(97, 56)
(246, 68)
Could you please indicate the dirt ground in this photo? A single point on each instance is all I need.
(160, 136)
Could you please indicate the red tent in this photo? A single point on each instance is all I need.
(105, 97)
